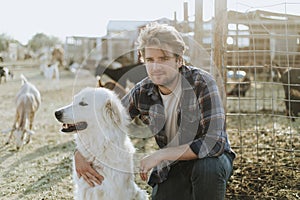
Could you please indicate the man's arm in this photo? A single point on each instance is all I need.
(85, 169)
(212, 123)
(182, 152)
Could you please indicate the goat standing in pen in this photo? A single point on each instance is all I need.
(242, 83)
(291, 85)
(28, 100)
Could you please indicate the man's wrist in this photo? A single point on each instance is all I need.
(161, 155)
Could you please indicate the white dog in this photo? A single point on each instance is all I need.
(100, 121)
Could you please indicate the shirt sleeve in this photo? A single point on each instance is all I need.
(212, 141)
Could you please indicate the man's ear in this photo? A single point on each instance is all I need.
(112, 112)
(179, 60)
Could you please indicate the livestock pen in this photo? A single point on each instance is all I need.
(260, 123)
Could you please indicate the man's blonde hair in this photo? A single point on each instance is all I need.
(161, 35)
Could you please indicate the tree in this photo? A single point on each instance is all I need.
(4, 42)
(40, 40)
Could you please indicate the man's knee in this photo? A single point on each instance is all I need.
(213, 168)
(209, 177)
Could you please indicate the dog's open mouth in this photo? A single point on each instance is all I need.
(73, 127)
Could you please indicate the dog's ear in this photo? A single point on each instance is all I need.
(113, 112)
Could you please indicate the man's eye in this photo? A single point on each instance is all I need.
(149, 60)
(83, 103)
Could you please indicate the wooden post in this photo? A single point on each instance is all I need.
(219, 45)
(196, 45)
(185, 17)
(175, 20)
(198, 21)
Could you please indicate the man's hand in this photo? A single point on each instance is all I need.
(147, 163)
(85, 169)
(182, 152)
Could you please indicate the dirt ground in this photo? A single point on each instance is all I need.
(43, 168)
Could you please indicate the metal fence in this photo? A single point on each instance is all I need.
(261, 121)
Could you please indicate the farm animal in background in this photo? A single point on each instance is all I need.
(28, 100)
(134, 73)
(112, 85)
(241, 83)
(51, 71)
(5, 73)
(57, 55)
(49, 65)
(73, 66)
(101, 121)
(2, 74)
(291, 85)
(273, 72)
(43, 59)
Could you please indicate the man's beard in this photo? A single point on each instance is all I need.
(169, 82)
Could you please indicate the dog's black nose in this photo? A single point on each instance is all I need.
(58, 114)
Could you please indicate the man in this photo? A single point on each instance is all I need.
(184, 111)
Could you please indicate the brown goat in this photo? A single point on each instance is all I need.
(291, 86)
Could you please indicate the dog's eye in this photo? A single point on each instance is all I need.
(83, 103)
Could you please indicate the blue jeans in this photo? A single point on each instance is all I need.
(201, 179)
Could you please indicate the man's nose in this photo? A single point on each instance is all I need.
(158, 64)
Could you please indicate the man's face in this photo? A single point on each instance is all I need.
(161, 65)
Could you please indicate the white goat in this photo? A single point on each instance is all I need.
(28, 100)
(50, 71)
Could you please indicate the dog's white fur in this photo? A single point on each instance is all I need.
(105, 143)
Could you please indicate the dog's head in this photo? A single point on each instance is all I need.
(92, 108)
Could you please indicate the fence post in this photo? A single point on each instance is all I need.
(219, 45)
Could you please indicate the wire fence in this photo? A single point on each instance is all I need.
(263, 99)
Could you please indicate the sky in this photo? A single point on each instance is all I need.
(22, 19)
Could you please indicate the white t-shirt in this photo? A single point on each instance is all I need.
(171, 102)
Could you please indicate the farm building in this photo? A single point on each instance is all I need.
(78, 48)
(118, 45)
(119, 42)
(265, 36)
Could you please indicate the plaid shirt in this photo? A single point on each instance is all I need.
(201, 116)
